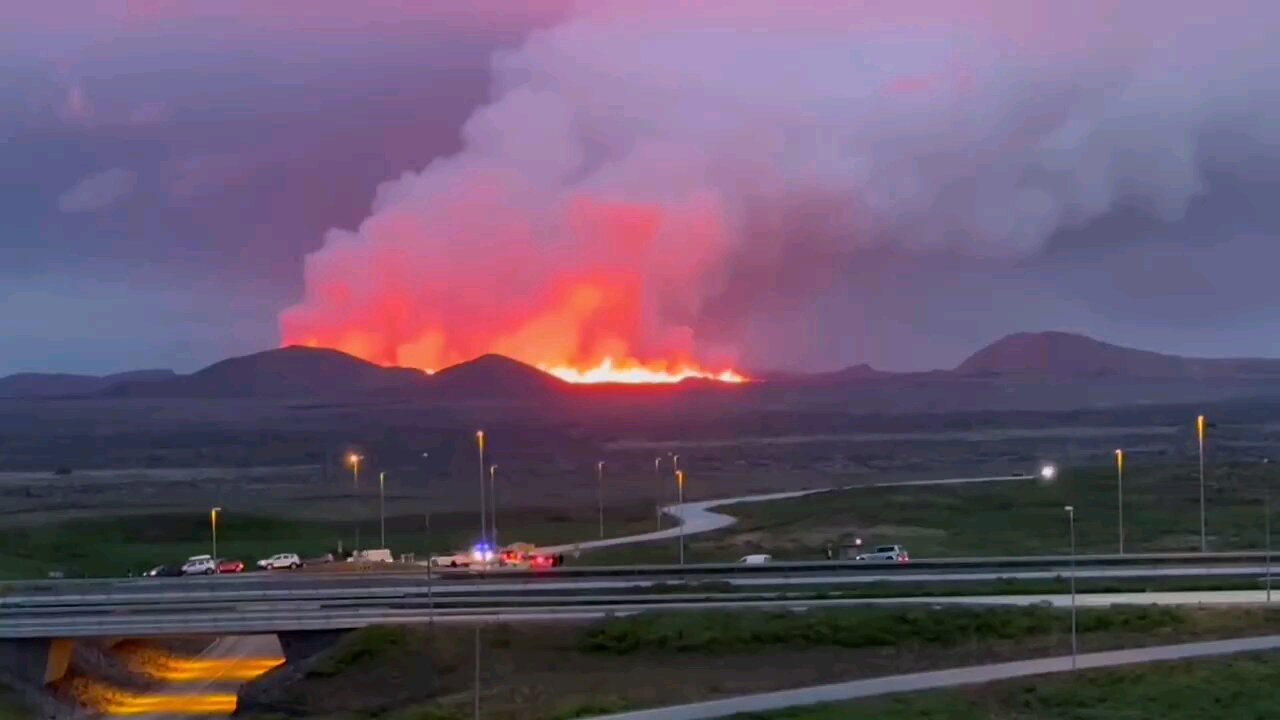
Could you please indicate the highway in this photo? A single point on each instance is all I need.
(234, 618)
(955, 677)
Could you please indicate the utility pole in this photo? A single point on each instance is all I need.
(1071, 519)
(493, 505)
(483, 513)
(1204, 544)
(657, 486)
(1120, 493)
(600, 494)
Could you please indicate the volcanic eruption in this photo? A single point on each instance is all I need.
(676, 189)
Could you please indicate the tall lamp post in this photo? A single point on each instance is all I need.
(1071, 523)
(657, 486)
(1200, 442)
(354, 460)
(483, 512)
(600, 494)
(680, 501)
(1266, 522)
(382, 509)
(213, 526)
(1120, 495)
(493, 505)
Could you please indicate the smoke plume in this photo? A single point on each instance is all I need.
(650, 177)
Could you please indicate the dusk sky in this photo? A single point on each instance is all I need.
(765, 185)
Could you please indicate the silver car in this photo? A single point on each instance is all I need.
(886, 553)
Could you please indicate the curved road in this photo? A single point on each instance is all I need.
(693, 518)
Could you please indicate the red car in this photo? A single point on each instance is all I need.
(230, 566)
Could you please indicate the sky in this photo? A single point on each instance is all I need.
(763, 185)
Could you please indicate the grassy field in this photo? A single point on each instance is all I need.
(1238, 687)
(1022, 517)
(559, 672)
(114, 546)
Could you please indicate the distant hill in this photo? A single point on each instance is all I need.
(62, 384)
(494, 377)
(1068, 355)
(286, 372)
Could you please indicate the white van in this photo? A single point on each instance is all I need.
(382, 556)
(755, 559)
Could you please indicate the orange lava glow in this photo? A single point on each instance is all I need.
(606, 303)
(631, 371)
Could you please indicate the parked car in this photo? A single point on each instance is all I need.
(281, 561)
(200, 565)
(886, 553)
(455, 560)
(227, 565)
(382, 555)
(163, 571)
(755, 559)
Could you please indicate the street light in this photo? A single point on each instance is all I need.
(354, 461)
(382, 511)
(1049, 472)
(213, 526)
(1120, 494)
(1200, 442)
(657, 484)
(483, 521)
(600, 494)
(680, 503)
(493, 504)
(1071, 520)
(1266, 522)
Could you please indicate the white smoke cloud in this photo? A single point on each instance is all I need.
(788, 136)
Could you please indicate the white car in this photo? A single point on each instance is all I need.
(200, 565)
(755, 559)
(281, 561)
(886, 553)
(456, 560)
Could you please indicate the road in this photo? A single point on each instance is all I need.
(205, 685)
(234, 618)
(955, 677)
(693, 518)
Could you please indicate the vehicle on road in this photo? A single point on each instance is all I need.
(454, 560)
(228, 565)
(200, 565)
(886, 553)
(163, 571)
(383, 556)
(755, 559)
(281, 561)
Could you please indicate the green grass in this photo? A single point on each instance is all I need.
(1009, 518)
(1239, 687)
(736, 632)
(114, 546)
(366, 645)
(12, 706)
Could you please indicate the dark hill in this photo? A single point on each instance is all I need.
(494, 377)
(286, 372)
(60, 384)
(1067, 355)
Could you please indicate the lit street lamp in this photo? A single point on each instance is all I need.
(1071, 520)
(382, 509)
(1049, 472)
(354, 461)
(1200, 442)
(483, 521)
(1120, 494)
(680, 503)
(213, 526)
(600, 494)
